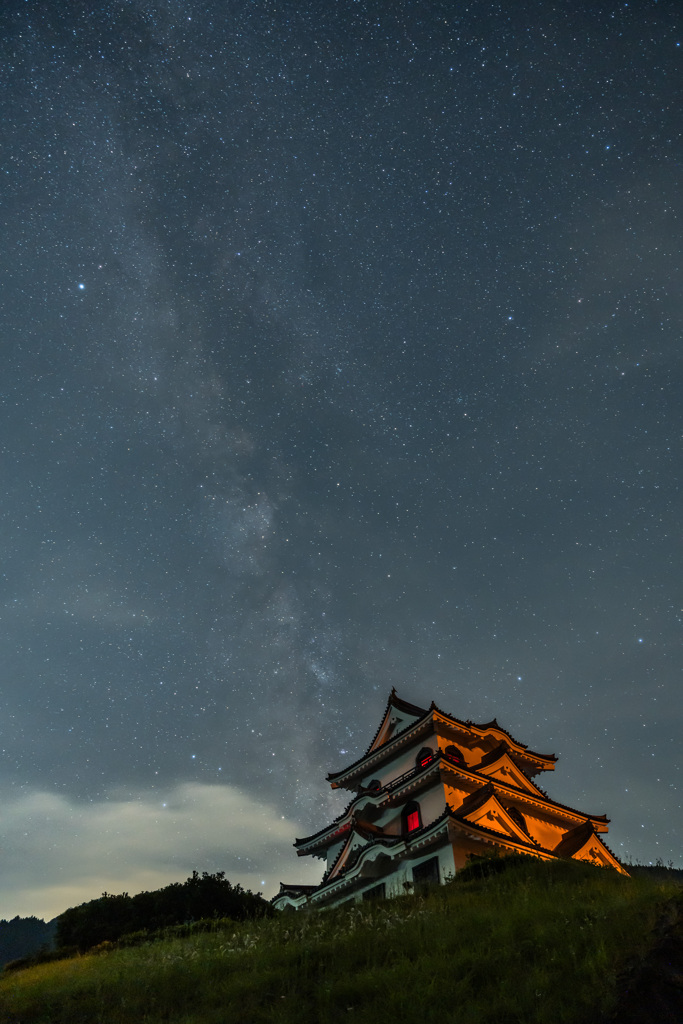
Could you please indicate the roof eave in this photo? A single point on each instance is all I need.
(338, 779)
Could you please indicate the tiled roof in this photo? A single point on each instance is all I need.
(493, 724)
(475, 800)
(377, 837)
(295, 890)
(443, 761)
(393, 701)
(500, 837)
(413, 709)
(574, 839)
(321, 832)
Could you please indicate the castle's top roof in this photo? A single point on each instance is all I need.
(402, 718)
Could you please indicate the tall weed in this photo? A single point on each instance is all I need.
(533, 943)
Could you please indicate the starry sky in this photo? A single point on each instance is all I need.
(341, 350)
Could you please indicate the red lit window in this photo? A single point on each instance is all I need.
(412, 819)
(425, 757)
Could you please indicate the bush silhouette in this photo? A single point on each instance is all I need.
(201, 896)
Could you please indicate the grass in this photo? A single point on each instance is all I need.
(535, 943)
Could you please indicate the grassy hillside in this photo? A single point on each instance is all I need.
(534, 943)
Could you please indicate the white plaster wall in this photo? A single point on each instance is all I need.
(432, 802)
(393, 883)
(403, 762)
(391, 821)
(446, 863)
(400, 881)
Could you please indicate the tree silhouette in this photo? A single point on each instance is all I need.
(200, 897)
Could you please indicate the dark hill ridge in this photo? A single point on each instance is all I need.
(107, 919)
(510, 940)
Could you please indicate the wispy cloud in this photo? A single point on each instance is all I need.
(58, 853)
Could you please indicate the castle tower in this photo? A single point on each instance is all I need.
(430, 791)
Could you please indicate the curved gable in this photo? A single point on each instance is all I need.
(400, 720)
(484, 808)
(583, 843)
(399, 715)
(499, 765)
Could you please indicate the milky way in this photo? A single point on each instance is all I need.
(340, 351)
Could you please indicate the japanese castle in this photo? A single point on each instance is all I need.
(430, 792)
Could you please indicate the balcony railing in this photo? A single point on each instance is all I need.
(395, 783)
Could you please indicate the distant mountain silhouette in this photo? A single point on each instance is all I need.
(23, 936)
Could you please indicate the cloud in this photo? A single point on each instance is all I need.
(57, 853)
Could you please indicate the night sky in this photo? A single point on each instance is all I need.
(341, 350)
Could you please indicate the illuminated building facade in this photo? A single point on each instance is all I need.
(429, 792)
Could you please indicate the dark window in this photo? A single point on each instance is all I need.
(453, 754)
(426, 873)
(425, 756)
(378, 892)
(412, 819)
(518, 818)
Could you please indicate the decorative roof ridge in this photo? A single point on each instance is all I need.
(493, 756)
(422, 713)
(531, 844)
(475, 800)
(367, 828)
(394, 701)
(332, 776)
(611, 852)
(365, 831)
(493, 724)
(344, 846)
(340, 817)
(287, 888)
(318, 835)
(602, 818)
(518, 791)
(405, 705)
(574, 838)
